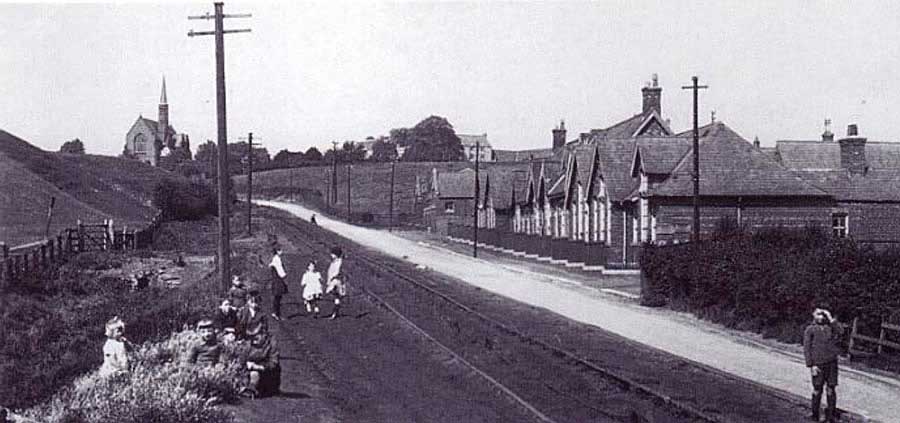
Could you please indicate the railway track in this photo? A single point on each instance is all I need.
(550, 382)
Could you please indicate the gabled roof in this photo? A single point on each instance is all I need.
(875, 185)
(154, 126)
(731, 166)
(615, 166)
(658, 155)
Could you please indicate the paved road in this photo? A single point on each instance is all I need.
(873, 397)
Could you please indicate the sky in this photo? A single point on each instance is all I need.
(310, 73)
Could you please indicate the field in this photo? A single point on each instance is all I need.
(369, 184)
(86, 187)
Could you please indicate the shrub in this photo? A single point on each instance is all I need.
(770, 281)
(184, 200)
(161, 387)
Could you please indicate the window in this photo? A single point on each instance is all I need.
(140, 144)
(839, 225)
(448, 207)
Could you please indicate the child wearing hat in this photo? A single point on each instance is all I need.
(312, 288)
(208, 351)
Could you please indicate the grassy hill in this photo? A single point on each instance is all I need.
(87, 187)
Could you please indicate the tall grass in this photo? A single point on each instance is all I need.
(161, 387)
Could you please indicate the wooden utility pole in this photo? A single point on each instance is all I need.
(250, 183)
(475, 243)
(348, 191)
(696, 173)
(391, 211)
(224, 247)
(334, 194)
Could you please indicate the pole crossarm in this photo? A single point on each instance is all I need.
(193, 33)
(226, 16)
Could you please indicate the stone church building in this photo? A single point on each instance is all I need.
(148, 140)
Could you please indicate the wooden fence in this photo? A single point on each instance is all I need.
(36, 257)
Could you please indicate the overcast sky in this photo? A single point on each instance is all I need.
(310, 73)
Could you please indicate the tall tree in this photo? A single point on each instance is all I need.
(383, 150)
(353, 152)
(72, 147)
(434, 139)
(313, 154)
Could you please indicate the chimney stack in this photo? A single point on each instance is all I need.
(853, 151)
(652, 94)
(559, 135)
(756, 142)
(827, 136)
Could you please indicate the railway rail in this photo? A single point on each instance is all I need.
(599, 394)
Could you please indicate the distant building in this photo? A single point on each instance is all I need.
(148, 140)
(471, 143)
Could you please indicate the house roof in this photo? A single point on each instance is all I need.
(615, 166)
(818, 155)
(660, 155)
(731, 166)
(470, 140)
(459, 184)
(820, 163)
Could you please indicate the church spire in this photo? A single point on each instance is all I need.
(162, 97)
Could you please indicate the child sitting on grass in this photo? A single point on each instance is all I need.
(208, 352)
(263, 364)
(312, 288)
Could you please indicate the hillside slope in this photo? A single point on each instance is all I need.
(106, 187)
(23, 205)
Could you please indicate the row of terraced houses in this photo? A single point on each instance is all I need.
(595, 200)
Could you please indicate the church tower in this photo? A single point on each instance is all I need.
(162, 135)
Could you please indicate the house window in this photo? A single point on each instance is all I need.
(839, 225)
(140, 144)
(448, 207)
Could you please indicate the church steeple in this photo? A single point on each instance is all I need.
(162, 97)
(162, 134)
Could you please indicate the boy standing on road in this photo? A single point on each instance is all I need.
(279, 287)
(821, 346)
(336, 284)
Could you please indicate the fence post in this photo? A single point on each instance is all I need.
(5, 273)
(881, 337)
(14, 270)
(59, 247)
(50, 250)
(109, 236)
(80, 236)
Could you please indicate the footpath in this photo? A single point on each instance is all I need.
(869, 395)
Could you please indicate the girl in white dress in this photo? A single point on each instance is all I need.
(115, 358)
(312, 288)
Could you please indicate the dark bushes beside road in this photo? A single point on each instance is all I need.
(184, 200)
(769, 282)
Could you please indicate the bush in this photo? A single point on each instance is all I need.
(770, 282)
(184, 200)
(161, 388)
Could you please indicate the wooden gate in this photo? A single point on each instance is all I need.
(95, 236)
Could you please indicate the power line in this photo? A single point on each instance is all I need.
(224, 247)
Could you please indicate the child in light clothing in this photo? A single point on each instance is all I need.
(337, 286)
(115, 358)
(312, 288)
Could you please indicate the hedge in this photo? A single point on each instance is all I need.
(769, 282)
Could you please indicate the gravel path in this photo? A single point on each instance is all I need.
(871, 396)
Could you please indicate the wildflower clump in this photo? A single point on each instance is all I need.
(160, 387)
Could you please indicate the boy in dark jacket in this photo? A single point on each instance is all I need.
(821, 346)
(263, 364)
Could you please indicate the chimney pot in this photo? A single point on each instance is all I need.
(652, 96)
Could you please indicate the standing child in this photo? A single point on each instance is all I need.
(279, 287)
(821, 346)
(115, 357)
(312, 288)
(336, 281)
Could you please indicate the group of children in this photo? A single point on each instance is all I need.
(311, 284)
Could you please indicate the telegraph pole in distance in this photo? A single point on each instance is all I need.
(696, 172)
(249, 183)
(391, 221)
(475, 243)
(348, 191)
(334, 195)
(224, 247)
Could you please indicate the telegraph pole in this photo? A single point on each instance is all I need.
(249, 183)
(224, 248)
(348, 191)
(334, 195)
(475, 244)
(391, 221)
(696, 173)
